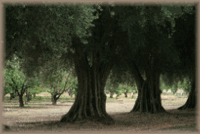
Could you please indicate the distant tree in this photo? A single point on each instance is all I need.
(112, 85)
(58, 78)
(91, 38)
(120, 81)
(185, 85)
(15, 80)
(37, 89)
(163, 85)
(169, 84)
(74, 89)
(33, 90)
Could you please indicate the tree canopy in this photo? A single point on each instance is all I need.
(95, 40)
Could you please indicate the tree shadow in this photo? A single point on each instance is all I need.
(123, 119)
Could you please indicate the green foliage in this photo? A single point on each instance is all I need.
(169, 82)
(163, 86)
(185, 85)
(123, 88)
(56, 78)
(150, 30)
(14, 77)
(118, 91)
(119, 84)
(84, 21)
(75, 88)
(37, 87)
(111, 87)
(43, 34)
(46, 31)
(174, 88)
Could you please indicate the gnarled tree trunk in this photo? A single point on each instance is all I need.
(148, 91)
(192, 98)
(90, 100)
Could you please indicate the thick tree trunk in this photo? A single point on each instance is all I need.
(90, 100)
(92, 73)
(111, 94)
(149, 99)
(192, 99)
(21, 102)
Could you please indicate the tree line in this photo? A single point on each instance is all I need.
(101, 44)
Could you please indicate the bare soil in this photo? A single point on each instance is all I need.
(43, 116)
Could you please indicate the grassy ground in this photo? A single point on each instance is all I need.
(40, 114)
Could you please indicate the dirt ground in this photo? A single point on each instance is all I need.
(42, 116)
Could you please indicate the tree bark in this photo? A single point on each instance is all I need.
(54, 100)
(57, 93)
(192, 98)
(148, 90)
(90, 100)
(21, 102)
(21, 93)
